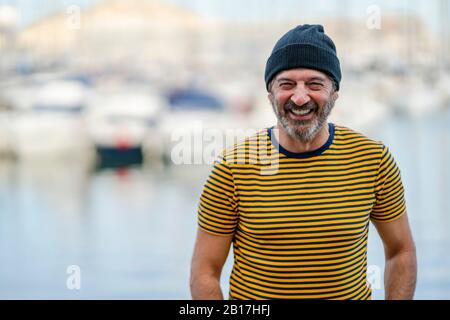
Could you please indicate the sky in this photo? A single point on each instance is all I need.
(254, 10)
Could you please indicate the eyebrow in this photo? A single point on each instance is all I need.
(317, 79)
(284, 79)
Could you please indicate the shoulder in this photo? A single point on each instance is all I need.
(347, 136)
(349, 140)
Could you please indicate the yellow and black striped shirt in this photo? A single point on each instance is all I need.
(300, 220)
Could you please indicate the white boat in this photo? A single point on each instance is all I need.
(122, 126)
(51, 124)
(415, 98)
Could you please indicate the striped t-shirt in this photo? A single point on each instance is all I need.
(300, 220)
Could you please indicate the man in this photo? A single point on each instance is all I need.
(299, 228)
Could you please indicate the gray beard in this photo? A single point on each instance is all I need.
(297, 129)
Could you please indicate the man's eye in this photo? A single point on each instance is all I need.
(285, 84)
(316, 85)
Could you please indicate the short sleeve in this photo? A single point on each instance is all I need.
(389, 193)
(217, 210)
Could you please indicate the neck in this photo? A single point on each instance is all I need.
(294, 145)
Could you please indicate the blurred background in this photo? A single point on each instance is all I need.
(94, 95)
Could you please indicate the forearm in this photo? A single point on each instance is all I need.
(206, 288)
(400, 276)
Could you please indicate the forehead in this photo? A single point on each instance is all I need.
(301, 74)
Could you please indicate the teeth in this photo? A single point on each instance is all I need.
(300, 112)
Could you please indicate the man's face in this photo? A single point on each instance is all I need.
(302, 100)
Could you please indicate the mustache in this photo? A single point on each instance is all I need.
(292, 105)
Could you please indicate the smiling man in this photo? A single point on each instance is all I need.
(299, 229)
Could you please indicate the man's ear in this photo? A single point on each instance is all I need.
(270, 96)
(335, 95)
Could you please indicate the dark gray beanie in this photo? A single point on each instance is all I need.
(305, 46)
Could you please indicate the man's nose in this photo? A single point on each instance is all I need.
(300, 96)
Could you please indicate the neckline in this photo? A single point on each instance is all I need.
(306, 154)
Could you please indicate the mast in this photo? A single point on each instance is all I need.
(444, 33)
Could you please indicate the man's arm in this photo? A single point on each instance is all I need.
(400, 254)
(210, 254)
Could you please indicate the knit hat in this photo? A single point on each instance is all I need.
(305, 46)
